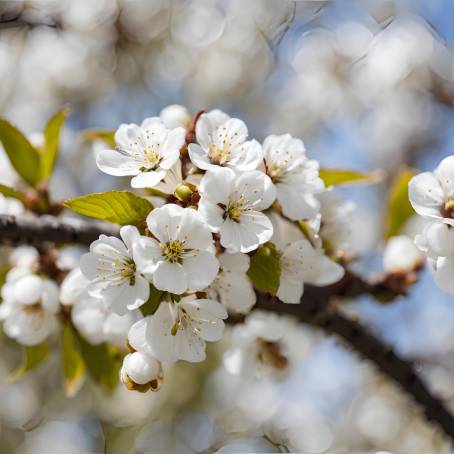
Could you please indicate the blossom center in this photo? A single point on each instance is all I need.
(173, 251)
(33, 308)
(234, 209)
(270, 353)
(275, 171)
(127, 270)
(152, 159)
(448, 208)
(218, 155)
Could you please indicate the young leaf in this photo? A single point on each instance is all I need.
(106, 135)
(265, 269)
(32, 357)
(74, 369)
(51, 142)
(10, 192)
(21, 153)
(151, 306)
(399, 208)
(103, 362)
(119, 207)
(337, 177)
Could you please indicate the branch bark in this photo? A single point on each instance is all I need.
(315, 308)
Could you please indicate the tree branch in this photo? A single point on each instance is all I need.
(41, 230)
(315, 309)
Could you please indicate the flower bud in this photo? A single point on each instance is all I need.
(401, 255)
(175, 116)
(141, 372)
(183, 192)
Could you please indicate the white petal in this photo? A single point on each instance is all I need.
(217, 184)
(444, 274)
(148, 179)
(200, 270)
(295, 204)
(28, 289)
(170, 277)
(426, 194)
(199, 157)
(290, 290)
(147, 254)
(73, 287)
(129, 234)
(116, 163)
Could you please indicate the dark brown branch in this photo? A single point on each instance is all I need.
(41, 230)
(315, 309)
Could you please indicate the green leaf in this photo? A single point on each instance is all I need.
(119, 207)
(74, 368)
(337, 177)
(106, 135)
(399, 208)
(152, 304)
(51, 142)
(10, 192)
(265, 269)
(21, 153)
(32, 357)
(103, 362)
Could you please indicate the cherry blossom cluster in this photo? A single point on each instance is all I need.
(432, 197)
(219, 198)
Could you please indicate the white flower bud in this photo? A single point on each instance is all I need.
(28, 289)
(24, 257)
(174, 116)
(141, 372)
(401, 255)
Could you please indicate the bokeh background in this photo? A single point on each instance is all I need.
(366, 84)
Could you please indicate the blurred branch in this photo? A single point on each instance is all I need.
(315, 309)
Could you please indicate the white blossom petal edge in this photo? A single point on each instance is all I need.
(145, 152)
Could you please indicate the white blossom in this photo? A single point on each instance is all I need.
(232, 286)
(24, 257)
(302, 263)
(401, 255)
(222, 142)
(141, 369)
(29, 306)
(145, 152)
(256, 346)
(182, 255)
(432, 193)
(231, 204)
(180, 330)
(294, 176)
(174, 116)
(112, 272)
